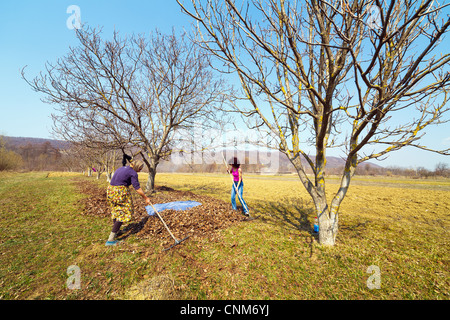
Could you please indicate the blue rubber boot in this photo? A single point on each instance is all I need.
(111, 243)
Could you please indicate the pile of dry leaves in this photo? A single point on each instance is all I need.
(200, 221)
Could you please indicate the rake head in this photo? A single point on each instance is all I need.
(177, 242)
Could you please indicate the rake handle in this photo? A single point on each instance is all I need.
(165, 225)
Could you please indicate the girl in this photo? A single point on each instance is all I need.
(119, 196)
(238, 183)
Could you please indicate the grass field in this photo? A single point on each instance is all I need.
(401, 226)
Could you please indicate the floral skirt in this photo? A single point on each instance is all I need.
(120, 202)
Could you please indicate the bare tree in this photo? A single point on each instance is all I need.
(442, 170)
(131, 92)
(97, 159)
(364, 76)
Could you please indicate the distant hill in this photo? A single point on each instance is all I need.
(23, 141)
(37, 154)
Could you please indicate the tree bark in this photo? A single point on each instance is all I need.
(328, 218)
(328, 223)
(150, 186)
(151, 164)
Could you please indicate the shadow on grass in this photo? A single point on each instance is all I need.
(133, 228)
(299, 214)
(290, 214)
(356, 229)
(294, 213)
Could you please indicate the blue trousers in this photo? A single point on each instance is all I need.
(241, 198)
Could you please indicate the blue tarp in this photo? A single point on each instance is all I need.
(176, 205)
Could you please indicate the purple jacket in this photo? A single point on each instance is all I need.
(125, 176)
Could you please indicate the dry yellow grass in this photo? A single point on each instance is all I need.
(418, 199)
(399, 225)
(63, 174)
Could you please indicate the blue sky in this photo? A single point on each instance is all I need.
(33, 32)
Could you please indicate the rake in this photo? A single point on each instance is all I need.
(177, 242)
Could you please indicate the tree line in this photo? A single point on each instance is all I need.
(44, 156)
(29, 156)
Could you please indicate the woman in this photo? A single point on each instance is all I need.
(238, 183)
(119, 196)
